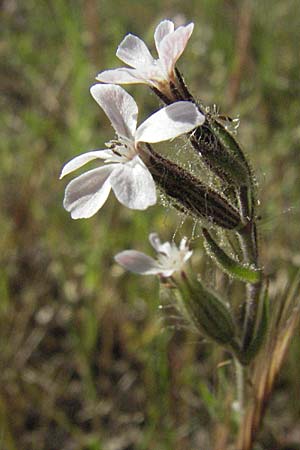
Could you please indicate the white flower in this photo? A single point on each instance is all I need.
(125, 173)
(170, 258)
(170, 44)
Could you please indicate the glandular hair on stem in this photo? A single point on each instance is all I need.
(196, 198)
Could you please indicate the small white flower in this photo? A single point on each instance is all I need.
(170, 44)
(125, 173)
(170, 258)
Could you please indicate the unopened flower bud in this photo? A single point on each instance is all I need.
(193, 196)
(221, 153)
(208, 312)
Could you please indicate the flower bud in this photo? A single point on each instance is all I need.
(221, 153)
(208, 312)
(190, 194)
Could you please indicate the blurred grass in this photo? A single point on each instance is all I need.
(85, 362)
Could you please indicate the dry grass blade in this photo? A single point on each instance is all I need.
(285, 318)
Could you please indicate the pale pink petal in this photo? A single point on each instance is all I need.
(119, 107)
(184, 249)
(134, 52)
(163, 29)
(169, 122)
(160, 247)
(138, 262)
(83, 159)
(182, 245)
(167, 272)
(155, 241)
(187, 255)
(166, 248)
(86, 194)
(154, 74)
(173, 45)
(133, 185)
(121, 75)
(151, 74)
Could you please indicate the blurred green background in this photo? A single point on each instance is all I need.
(85, 360)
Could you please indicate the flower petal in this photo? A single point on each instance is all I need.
(169, 122)
(119, 107)
(83, 159)
(183, 244)
(86, 194)
(155, 241)
(187, 255)
(160, 247)
(122, 75)
(138, 262)
(163, 29)
(134, 52)
(133, 185)
(173, 45)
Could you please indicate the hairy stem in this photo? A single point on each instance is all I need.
(240, 388)
(250, 252)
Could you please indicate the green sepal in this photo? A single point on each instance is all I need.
(228, 264)
(229, 165)
(260, 329)
(239, 167)
(208, 312)
(228, 141)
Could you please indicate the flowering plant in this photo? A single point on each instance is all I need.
(226, 210)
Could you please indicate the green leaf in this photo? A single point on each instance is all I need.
(228, 264)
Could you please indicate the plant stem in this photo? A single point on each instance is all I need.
(249, 247)
(240, 388)
(248, 243)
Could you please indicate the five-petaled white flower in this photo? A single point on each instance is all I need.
(170, 258)
(126, 174)
(170, 44)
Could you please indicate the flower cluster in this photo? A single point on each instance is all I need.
(132, 168)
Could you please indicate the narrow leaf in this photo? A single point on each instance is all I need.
(228, 264)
